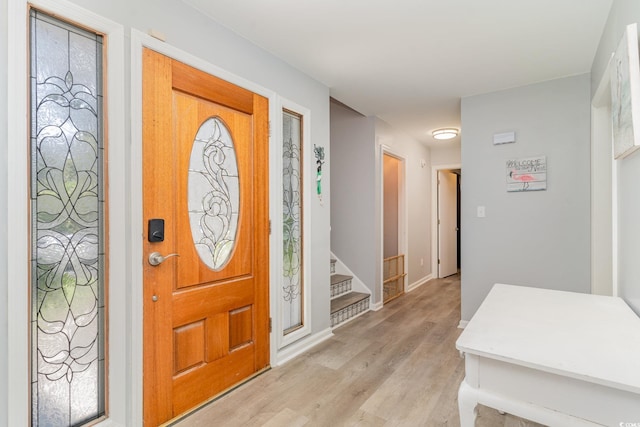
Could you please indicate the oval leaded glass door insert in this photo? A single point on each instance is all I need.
(214, 193)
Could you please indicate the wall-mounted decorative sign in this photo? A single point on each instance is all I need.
(529, 174)
(625, 95)
(319, 153)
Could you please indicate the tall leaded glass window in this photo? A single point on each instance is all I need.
(292, 222)
(67, 228)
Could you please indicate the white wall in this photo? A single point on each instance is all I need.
(356, 205)
(418, 198)
(446, 154)
(623, 12)
(3, 213)
(189, 31)
(192, 32)
(353, 226)
(539, 238)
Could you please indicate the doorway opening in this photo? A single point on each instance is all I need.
(446, 228)
(393, 212)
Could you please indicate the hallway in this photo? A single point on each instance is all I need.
(394, 367)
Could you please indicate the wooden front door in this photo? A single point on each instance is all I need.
(205, 174)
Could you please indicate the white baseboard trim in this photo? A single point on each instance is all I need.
(377, 306)
(463, 324)
(297, 348)
(415, 285)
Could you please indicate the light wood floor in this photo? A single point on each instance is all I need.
(394, 367)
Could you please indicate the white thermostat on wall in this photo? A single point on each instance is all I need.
(504, 138)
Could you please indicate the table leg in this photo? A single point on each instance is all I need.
(467, 405)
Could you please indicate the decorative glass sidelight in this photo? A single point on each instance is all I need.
(292, 222)
(214, 193)
(67, 223)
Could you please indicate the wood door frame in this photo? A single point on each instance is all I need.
(434, 214)
(403, 220)
(139, 41)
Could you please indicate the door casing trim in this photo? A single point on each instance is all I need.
(403, 218)
(434, 214)
(277, 248)
(18, 359)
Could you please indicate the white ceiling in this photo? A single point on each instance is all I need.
(409, 62)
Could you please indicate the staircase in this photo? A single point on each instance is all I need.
(345, 303)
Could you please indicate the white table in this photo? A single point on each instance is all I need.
(557, 358)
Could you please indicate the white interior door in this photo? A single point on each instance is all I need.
(447, 224)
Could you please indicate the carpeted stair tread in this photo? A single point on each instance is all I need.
(337, 278)
(343, 301)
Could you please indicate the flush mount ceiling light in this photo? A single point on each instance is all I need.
(446, 133)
